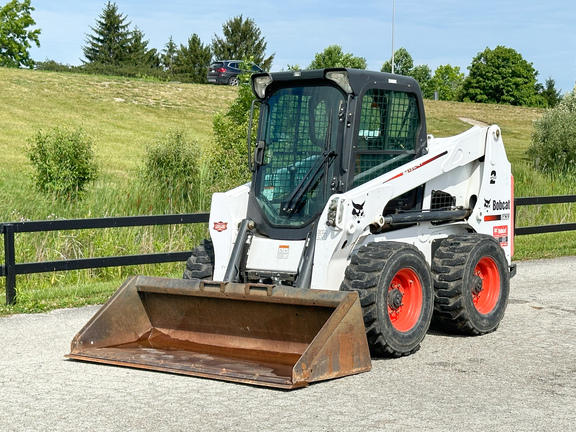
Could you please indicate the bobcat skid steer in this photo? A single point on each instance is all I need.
(356, 230)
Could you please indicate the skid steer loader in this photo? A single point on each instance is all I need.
(357, 230)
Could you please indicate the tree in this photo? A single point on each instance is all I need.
(241, 40)
(550, 94)
(15, 38)
(192, 61)
(501, 75)
(168, 55)
(112, 39)
(333, 56)
(139, 53)
(447, 81)
(403, 63)
(423, 74)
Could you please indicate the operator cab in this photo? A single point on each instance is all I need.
(323, 132)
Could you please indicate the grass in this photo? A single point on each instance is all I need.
(443, 119)
(124, 116)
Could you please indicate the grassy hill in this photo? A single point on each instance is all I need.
(124, 116)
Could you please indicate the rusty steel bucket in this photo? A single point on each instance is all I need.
(265, 335)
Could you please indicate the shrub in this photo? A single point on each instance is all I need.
(63, 162)
(172, 166)
(52, 66)
(229, 160)
(553, 146)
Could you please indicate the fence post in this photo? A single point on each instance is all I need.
(10, 264)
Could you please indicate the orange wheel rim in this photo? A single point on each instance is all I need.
(405, 300)
(486, 288)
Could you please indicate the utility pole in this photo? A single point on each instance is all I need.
(393, 16)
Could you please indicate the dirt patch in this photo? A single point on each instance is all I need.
(473, 122)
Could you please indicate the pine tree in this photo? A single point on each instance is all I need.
(551, 94)
(242, 40)
(140, 54)
(192, 61)
(110, 44)
(168, 55)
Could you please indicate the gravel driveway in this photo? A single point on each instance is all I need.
(520, 378)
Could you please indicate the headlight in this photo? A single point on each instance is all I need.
(259, 85)
(336, 213)
(341, 78)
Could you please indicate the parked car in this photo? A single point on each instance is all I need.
(227, 71)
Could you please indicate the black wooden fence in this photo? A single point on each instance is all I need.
(10, 269)
(540, 229)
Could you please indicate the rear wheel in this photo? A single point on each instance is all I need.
(472, 284)
(396, 293)
(200, 265)
(233, 81)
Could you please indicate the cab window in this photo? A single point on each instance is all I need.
(388, 132)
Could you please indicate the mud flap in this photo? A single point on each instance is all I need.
(265, 335)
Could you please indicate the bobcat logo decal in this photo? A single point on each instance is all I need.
(358, 209)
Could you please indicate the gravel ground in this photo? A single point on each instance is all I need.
(520, 378)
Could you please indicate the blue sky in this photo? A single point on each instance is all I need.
(434, 32)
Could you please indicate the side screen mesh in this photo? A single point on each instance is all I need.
(389, 125)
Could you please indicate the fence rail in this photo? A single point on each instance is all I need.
(541, 229)
(10, 269)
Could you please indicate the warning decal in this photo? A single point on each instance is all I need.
(283, 251)
(500, 233)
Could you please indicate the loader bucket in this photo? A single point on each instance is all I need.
(265, 335)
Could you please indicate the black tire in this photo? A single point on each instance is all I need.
(383, 274)
(233, 81)
(471, 284)
(200, 265)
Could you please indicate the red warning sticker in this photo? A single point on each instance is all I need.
(500, 233)
(220, 226)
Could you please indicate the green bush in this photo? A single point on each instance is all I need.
(553, 146)
(172, 166)
(63, 162)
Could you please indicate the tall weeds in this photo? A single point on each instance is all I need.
(178, 183)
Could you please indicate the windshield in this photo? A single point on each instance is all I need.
(300, 129)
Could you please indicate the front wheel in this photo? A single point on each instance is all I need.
(200, 265)
(472, 284)
(396, 293)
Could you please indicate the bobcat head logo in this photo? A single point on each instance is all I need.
(358, 209)
(487, 203)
